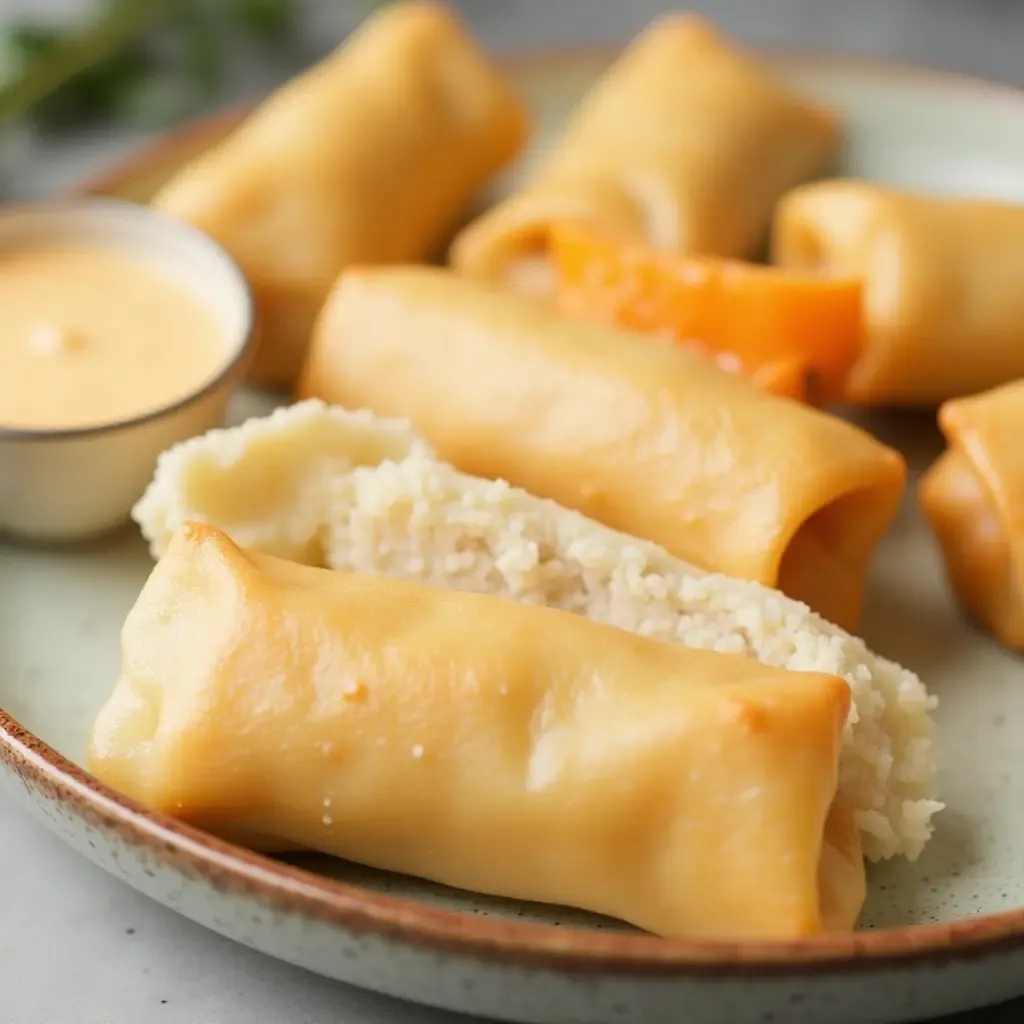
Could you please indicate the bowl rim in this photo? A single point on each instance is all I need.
(196, 241)
(243, 873)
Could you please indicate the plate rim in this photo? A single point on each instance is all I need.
(236, 871)
(148, 154)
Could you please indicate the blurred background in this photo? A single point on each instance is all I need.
(84, 81)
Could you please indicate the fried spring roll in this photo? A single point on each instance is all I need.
(943, 285)
(290, 484)
(494, 746)
(369, 157)
(972, 497)
(685, 144)
(647, 438)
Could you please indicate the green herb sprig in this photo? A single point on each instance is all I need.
(137, 60)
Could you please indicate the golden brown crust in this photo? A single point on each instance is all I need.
(650, 440)
(685, 143)
(973, 497)
(369, 156)
(943, 282)
(497, 746)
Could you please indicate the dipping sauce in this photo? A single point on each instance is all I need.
(92, 336)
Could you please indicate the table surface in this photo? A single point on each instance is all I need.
(77, 946)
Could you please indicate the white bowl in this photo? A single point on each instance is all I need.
(70, 484)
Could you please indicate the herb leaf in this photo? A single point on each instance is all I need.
(113, 68)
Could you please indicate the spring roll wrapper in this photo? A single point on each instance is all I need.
(646, 438)
(498, 747)
(973, 497)
(370, 156)
(685, 144)
(943, 285)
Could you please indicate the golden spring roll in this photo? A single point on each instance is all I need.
(972, 497)
(685, 144)
(498, 747)
(943, 285)
(646, 438)
(369, 157)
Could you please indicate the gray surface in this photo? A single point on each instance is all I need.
(77, 947)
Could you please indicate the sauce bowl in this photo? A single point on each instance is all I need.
(74, 483)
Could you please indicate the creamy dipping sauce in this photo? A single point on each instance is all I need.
(92, 336)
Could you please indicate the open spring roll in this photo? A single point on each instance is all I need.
(647, 438)
(943, 285)
(369, 157)
(288, 484)
(973, 497)
(685, 143)
(502, 748)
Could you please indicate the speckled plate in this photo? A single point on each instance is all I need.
(941, 935)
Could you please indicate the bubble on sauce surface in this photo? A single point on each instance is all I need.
(51, 340)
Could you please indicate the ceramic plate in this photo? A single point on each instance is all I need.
(944, 934)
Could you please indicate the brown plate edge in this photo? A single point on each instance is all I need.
(286, 888)
(236, 871)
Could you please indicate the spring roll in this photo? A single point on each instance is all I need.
(686, 144)
(369, 157)
(943, 285)
(272, 485)
(501, 748)
(972, 498)
(647, 438)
